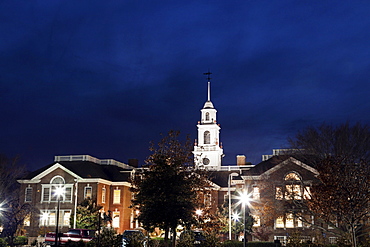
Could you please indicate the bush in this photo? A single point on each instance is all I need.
(21, 240)
(3, 243)
(234, 243)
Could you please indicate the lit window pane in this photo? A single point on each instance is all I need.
(115, 221)
(116, 196)
(289, 222)
(279, 222)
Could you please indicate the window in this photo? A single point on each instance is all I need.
(28, 194)
(208, 200)
(48, 190)
(88, 192)
(207, 116)
(332, 240)
(48, 217)
(279, 222)
(288, 221)
(47, 194)
(207, 137)
(257, 220)
(293, 191)
(282, 239)
(256, 193)
(279, 193)
(27, 220)
(103, 193)
(115, 220)
(117, 196)
(307, 193)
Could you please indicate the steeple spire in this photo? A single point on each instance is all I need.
(209, 91)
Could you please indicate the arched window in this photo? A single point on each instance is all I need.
(207, 137)
(293, 188)
(207, 116)
(57, 180)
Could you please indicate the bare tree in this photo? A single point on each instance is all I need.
(13, 211)
(341, 199)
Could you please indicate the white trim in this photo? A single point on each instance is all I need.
(53, 168)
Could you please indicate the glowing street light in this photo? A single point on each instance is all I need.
(231, 175)
(59, 191)
(245, 199)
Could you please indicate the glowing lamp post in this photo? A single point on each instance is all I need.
(59, 191)
(231, 175)
(245, 199)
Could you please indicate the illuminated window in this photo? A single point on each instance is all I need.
(292, 176)
(103, 193)
(88, 192)
(28, 194)
(256, 193)
(115, 220)
(207, 137)
(27, 221)
(279, 222)
(66, 217)
(289, 221)
(257, 220)
(279, 193)
(208, 200)
(48, 217)
(293, 191)
(117, 196)
(307, 193)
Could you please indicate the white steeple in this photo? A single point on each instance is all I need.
(207, 150)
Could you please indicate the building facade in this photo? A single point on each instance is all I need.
(81, 176)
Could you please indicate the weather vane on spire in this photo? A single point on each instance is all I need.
(208, 74)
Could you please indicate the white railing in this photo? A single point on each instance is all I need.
(91, 159)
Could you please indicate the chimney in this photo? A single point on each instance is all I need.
(133, 163)
(240, 160)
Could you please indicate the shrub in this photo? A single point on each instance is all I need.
(3, 242)
(21, 240)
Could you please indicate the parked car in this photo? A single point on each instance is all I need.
(129, 237)
(74, 235)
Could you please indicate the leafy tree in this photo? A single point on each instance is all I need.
(13, 212)
(108, 238)
(166, 191)
(88, 215)
(341, 155)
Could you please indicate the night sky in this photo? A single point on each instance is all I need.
(107, 77)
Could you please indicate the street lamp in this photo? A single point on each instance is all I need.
(231, 175)
(245, 199)
(59, 191)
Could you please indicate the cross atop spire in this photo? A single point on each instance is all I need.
(209, 84)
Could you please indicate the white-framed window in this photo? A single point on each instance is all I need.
(103, 194)
(48, 217)
(207, 199)
(48, 190)
(116, 196)
(28, 194)
(282, 239)
(88, 192)
(256, 193)
(333, 240)
(115, 220)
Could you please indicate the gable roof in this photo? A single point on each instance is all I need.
(274, 163)
(84, 170)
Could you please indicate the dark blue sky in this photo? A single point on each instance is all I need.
(106, 77)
